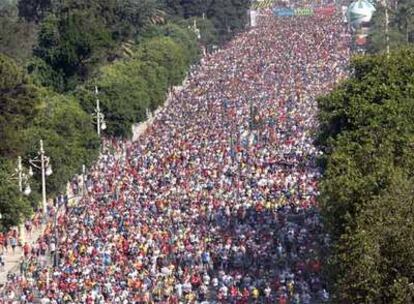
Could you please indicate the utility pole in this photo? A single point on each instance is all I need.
(20, 173)
(387, 33)
(46, 170)
(83, 180)
(98, 115)
(22, 177)
(43, 163)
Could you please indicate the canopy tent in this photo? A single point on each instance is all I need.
(359, 12)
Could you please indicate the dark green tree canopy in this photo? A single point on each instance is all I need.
(17, 105)
(367, 134)
(57, 51)
(401, 26)
(228, 16)
(13, 205)
(34, 10)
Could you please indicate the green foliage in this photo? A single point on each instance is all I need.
(34, 10)
(17, 37)
(124, 47)
(367, 134)
(43, 74)
(194, 8)
(73, 46)
(10, 73)
(123, 18)
(187, 8)
(13, 205)
(126, 90)
(135, 15)
(80, 36)
(166, 53)
(123, 95)
(228, 16)
(17, 106)
(28, 114)
(208, 33)
(181, 34)
(401, 27)
(157, 83)
(68, 134)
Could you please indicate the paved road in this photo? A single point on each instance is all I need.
(12, 259)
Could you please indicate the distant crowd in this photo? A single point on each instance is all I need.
(216, 202)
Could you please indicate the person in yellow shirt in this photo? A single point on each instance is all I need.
(190, 297)
(255, 293)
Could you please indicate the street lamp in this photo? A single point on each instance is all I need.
(22, 177)
(195, 29)
(387, 25)
(98, 115)
(43, 164)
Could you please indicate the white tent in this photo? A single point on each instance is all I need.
(359, 12)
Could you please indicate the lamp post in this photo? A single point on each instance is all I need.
(83, 180)
(43, 164)
(22, 177)
(387, 31)
(98, 115)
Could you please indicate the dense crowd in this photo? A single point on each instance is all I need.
(216, 202)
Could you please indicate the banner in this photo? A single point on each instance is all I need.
(304, 11)
(325, 11)
(262, 4)
(283, 12)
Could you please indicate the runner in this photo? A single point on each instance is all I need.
(216, 202)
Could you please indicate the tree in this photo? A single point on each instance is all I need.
(166, 53)
(367, 131)
(195, 8)
(208, 33)
(129, 87)
(17, 37)
(173, 7)
(34, 10)
(81, 36)
(181, 34)
(135, 15)
(157, 83)
(13, 205)
(123, 93)
(74, 45)
(404, 20)
(401, 27)
(69, 137)
(17, 106)
(228, 16)
(44, 75)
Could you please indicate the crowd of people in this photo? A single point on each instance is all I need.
(216, 202)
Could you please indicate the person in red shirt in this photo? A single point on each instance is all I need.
(283, 299)
(2, 238)
(26, 249)
(195, 280)
(234, 292)
(245, 296)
